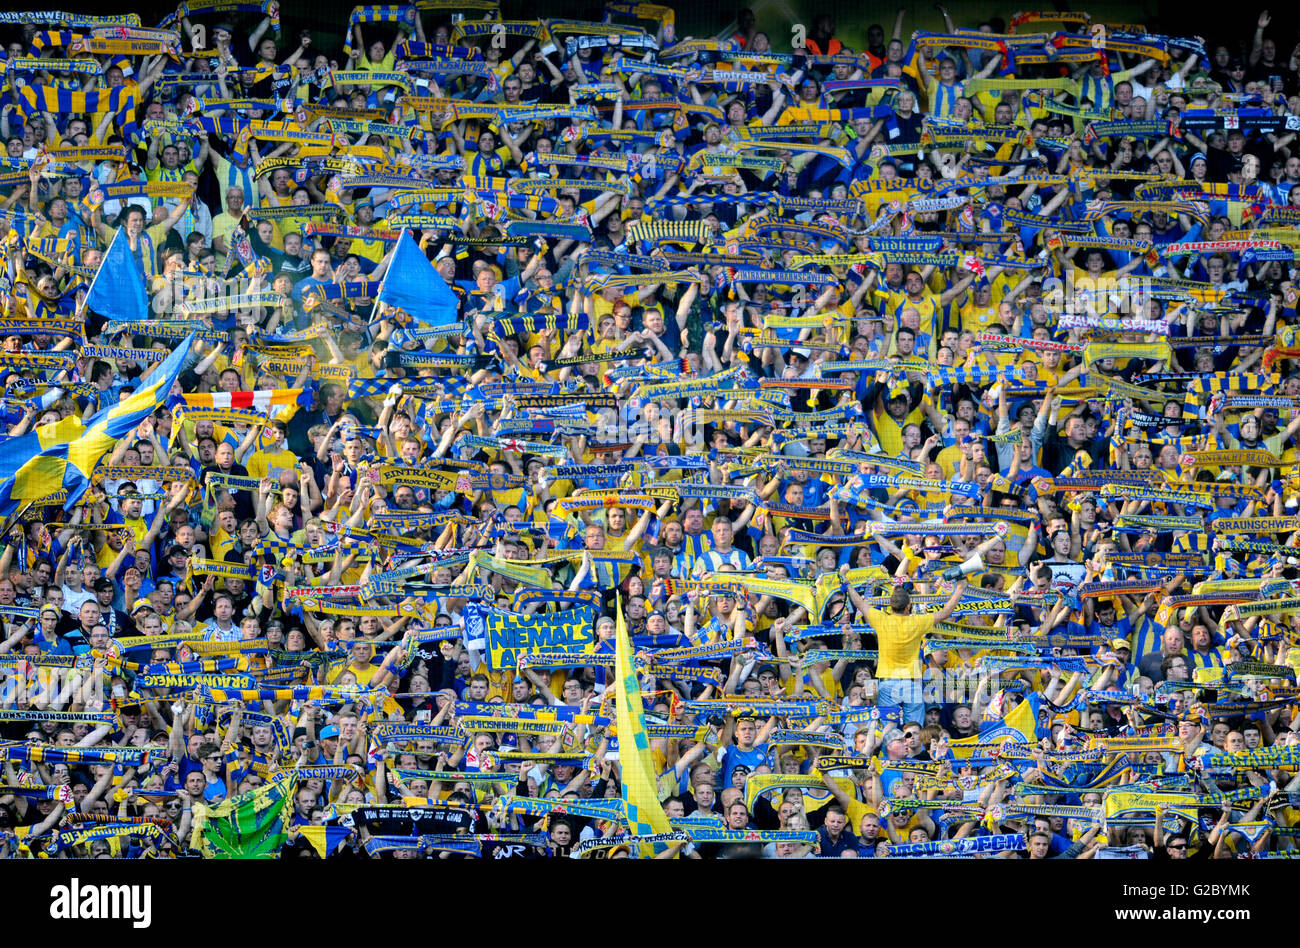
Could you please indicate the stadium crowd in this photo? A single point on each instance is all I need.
(550, 438)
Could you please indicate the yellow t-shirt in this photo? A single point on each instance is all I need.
(139, 527)
(363, 675)
(384, 65)
(104, 558)
(978, 318)
(949, 459)
(927, 306)
(795, 684)
(890, 433)
(220, 542)
(223, 225)
(603, 307)
(855, 811)
(365, 369)
(270, 463)
(899, 642)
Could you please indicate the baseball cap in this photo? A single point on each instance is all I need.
(103, 583)
(766, 670)
(50, 607)
(173, 550)
(139, 604)
(330, 730)
(1120, 643)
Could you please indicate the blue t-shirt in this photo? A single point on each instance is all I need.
(734, 757)
(305, 284)
(814, 492)
(1122, 629)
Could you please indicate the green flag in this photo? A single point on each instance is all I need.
(249, 826)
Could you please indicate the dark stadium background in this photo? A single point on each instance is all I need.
(774, 16)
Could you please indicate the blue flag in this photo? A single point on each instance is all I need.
(53, 463)
(118, 291)
(416, 288)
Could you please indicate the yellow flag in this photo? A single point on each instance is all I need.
(645, 816)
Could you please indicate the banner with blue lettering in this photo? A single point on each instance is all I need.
(506, 634)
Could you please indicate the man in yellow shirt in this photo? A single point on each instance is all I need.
(224, 224)
(898, 637)
(272, 457)
(978, 311)
(372, 250)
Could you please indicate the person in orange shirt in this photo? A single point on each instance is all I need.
(820, 42)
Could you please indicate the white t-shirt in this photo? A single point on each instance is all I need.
(1148, 92)
(73, 601)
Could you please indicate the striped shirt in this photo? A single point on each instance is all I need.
(712, 561)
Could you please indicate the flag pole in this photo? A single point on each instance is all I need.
(373, 309)
(85, 302)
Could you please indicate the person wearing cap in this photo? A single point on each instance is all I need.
(139, 607)
(769, 680)
(893, 408)
(173, 563)
(896, 748)
(1121, 671)
(223, 40)
(329, 742)
(1198, 167)
(117, 621)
